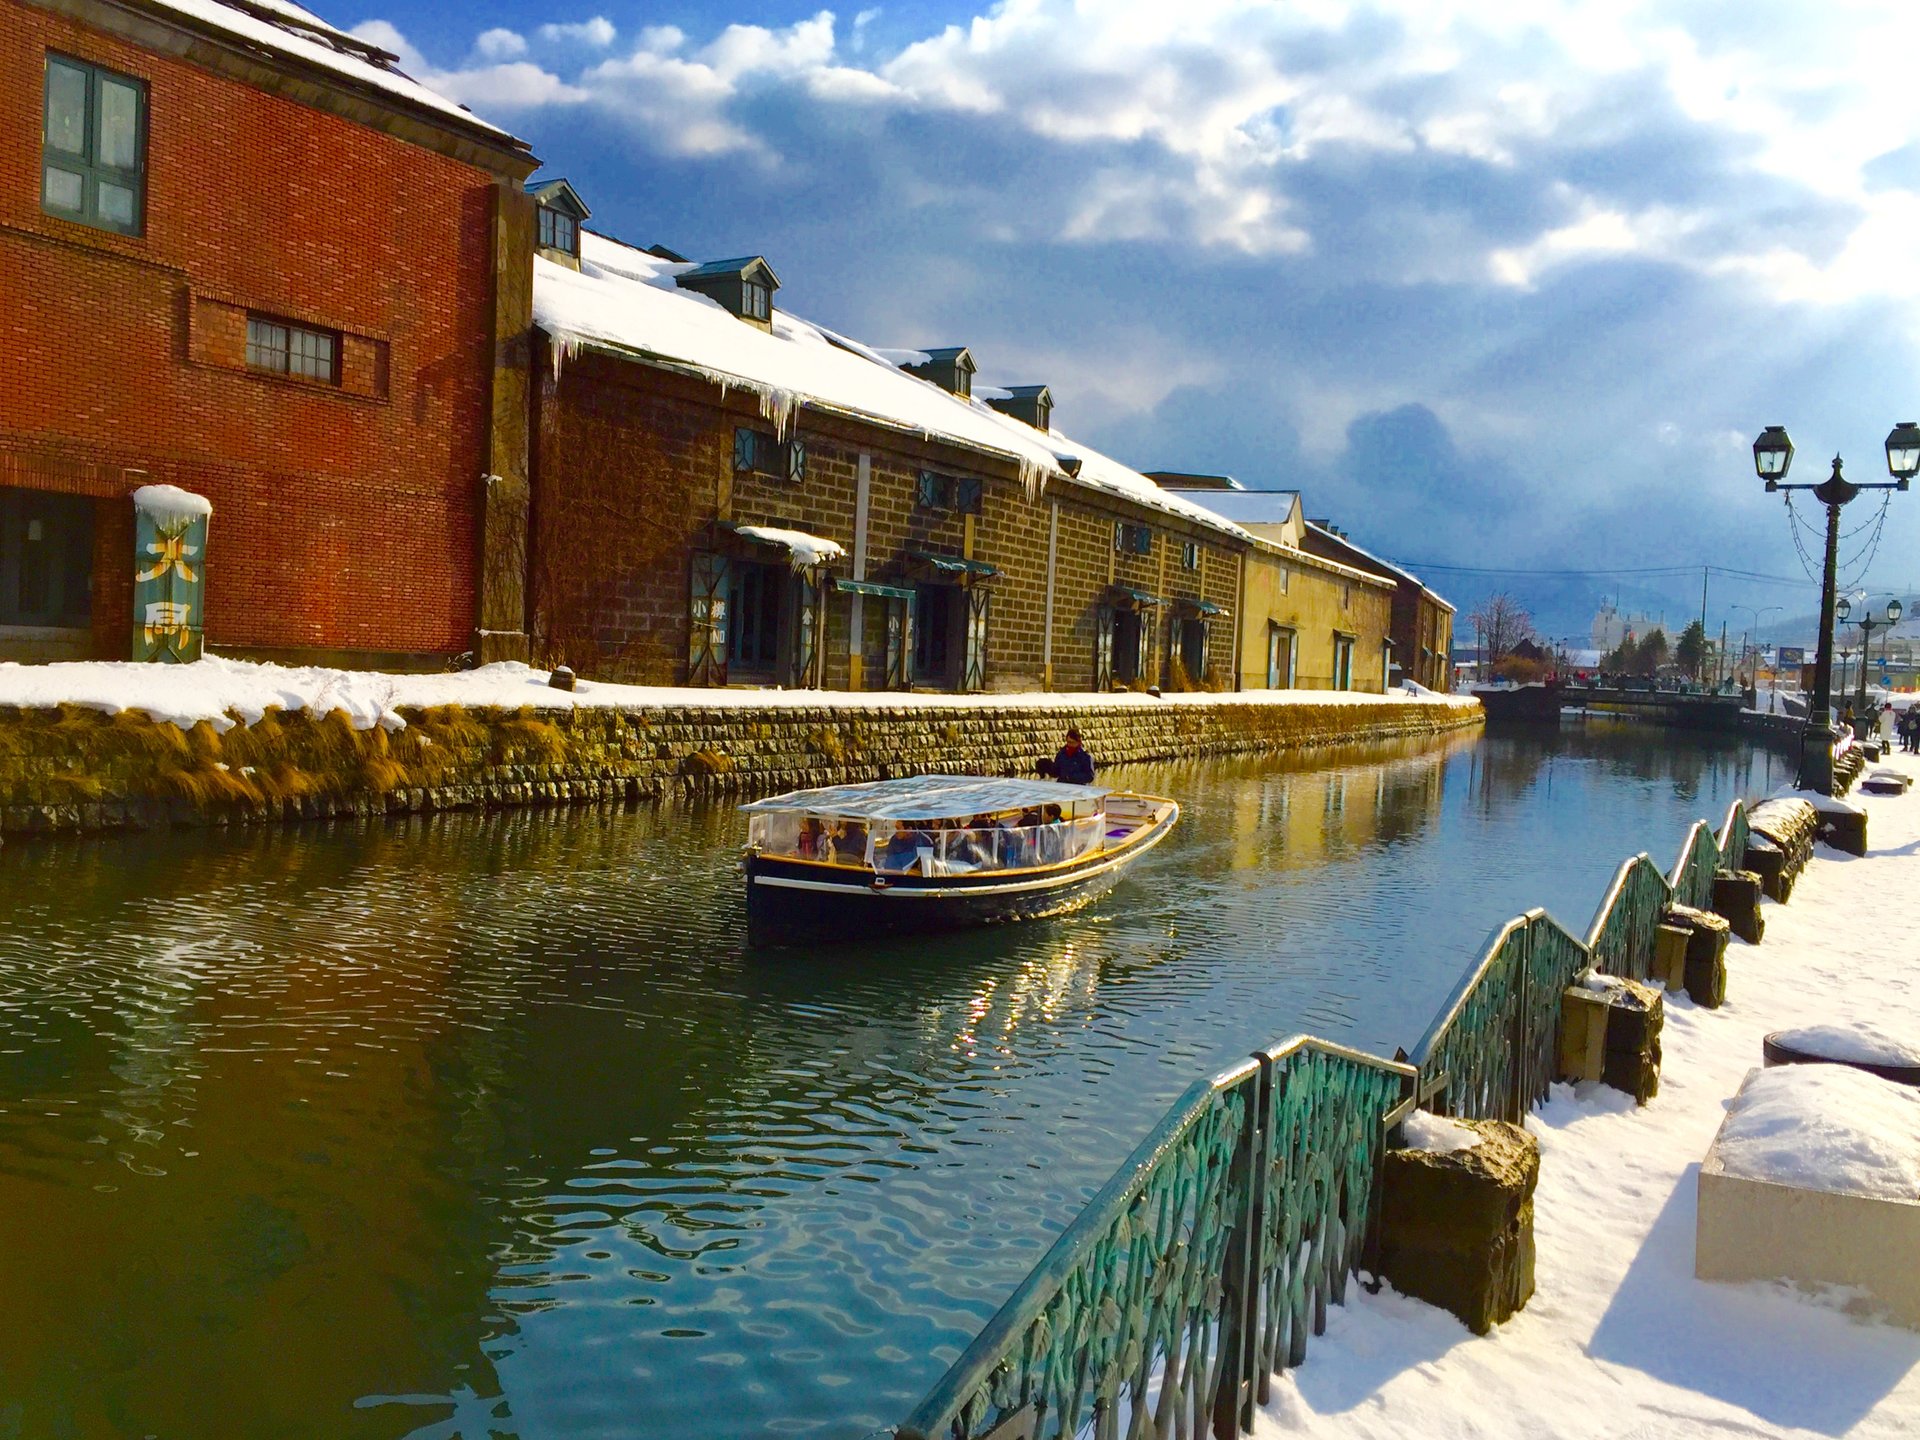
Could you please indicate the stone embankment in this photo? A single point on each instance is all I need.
(68, 768)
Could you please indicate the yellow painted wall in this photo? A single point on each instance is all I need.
(1316, 600)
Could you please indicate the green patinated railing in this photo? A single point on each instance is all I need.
(1693, 872)
(1202, 1267)
(1621, 936)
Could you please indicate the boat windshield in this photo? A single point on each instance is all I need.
(1012, 840)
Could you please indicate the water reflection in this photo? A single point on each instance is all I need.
(488, 1123)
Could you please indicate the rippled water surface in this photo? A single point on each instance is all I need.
(488, 1125)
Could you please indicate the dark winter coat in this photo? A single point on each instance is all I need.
(1073, 765)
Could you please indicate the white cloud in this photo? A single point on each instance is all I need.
(1209, 121)
(598, 33)
(500, 44)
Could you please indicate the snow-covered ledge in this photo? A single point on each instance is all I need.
(1814, 1179)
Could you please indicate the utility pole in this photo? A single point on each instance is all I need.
(1721, 656)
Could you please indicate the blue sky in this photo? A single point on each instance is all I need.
(1494, 284)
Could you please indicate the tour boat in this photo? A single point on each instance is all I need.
(932, 852)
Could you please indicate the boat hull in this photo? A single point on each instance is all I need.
(792, 902)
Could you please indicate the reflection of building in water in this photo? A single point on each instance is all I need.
(1333, 809)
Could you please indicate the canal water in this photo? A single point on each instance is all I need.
(488, 1125)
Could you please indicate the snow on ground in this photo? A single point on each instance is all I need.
(224, 692)
(1620, 1340)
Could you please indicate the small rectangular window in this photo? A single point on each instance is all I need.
(756, 300)
(93, 146)
(1131, 539)
(1190, 555)
(282, 348)
(755, 452)
(960, 494)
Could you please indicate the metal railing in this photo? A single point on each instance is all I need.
(1202, 1267)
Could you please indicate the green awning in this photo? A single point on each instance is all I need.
(1198, 607)
(953, 564)
(868, 587)
(1137, 599)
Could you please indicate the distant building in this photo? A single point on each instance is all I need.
(243, 254)
(1422, 624)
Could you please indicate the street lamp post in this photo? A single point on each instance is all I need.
(1868, 623)
(1772, 455)
(1752, 640)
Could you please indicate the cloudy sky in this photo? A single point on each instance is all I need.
(1496, 284)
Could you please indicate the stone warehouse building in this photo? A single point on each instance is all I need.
(727, 494)
(1422, 623)
(1306, 622)
(243, 254)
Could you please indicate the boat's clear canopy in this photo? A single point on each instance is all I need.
(928, 797)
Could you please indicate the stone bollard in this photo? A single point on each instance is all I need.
(1456, 1226)
(1844, 829)
(1769, 862)
(1635, 1019)
(1610, 1032)
(1789, 825)
(1670, 955)
(1736, 899)
(1706, 965)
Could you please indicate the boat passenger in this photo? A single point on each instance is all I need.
(1012, 845)
(850, 843)
(901, 853)
(1073, 765)
(1052, 836)
(813, 839)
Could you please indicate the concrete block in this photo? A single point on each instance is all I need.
(1760, 1230)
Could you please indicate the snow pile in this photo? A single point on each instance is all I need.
(1825, 1127)
(169, 504)
(1857, 1044)
(807, 550)
(1825, 804)
(1621, 1340)
(1600, 984)
(222, 691)
(1437, 1134)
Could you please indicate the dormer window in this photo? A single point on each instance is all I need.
(559, 232)
(950, 367)
(744, 286)
(1032, 404)
(560, 213)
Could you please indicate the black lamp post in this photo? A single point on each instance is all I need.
(1772, 454)
(1868, 623)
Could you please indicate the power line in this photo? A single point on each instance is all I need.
(1665, 571)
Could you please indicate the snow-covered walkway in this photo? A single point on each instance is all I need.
(1620, 1340)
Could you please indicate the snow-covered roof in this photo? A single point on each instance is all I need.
(1249, 507)
(299, 34)
(1401, 571)
(627, 300)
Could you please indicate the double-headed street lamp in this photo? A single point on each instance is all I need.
(1772, 454)
(1868, 623)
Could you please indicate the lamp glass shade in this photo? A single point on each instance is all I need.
(1773, 452)
(1893, 612)
(1903, 450)
(1842, 608)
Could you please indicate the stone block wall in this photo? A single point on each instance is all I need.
(71, 769)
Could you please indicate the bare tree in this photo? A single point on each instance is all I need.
(1502, 622)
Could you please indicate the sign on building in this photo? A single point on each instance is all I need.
(169, 573)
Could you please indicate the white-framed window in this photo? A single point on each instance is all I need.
(1190, 555)
(282, 348)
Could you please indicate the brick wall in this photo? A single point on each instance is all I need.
(344, 517)
(633, 463)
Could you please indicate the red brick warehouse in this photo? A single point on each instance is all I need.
(244, 255)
